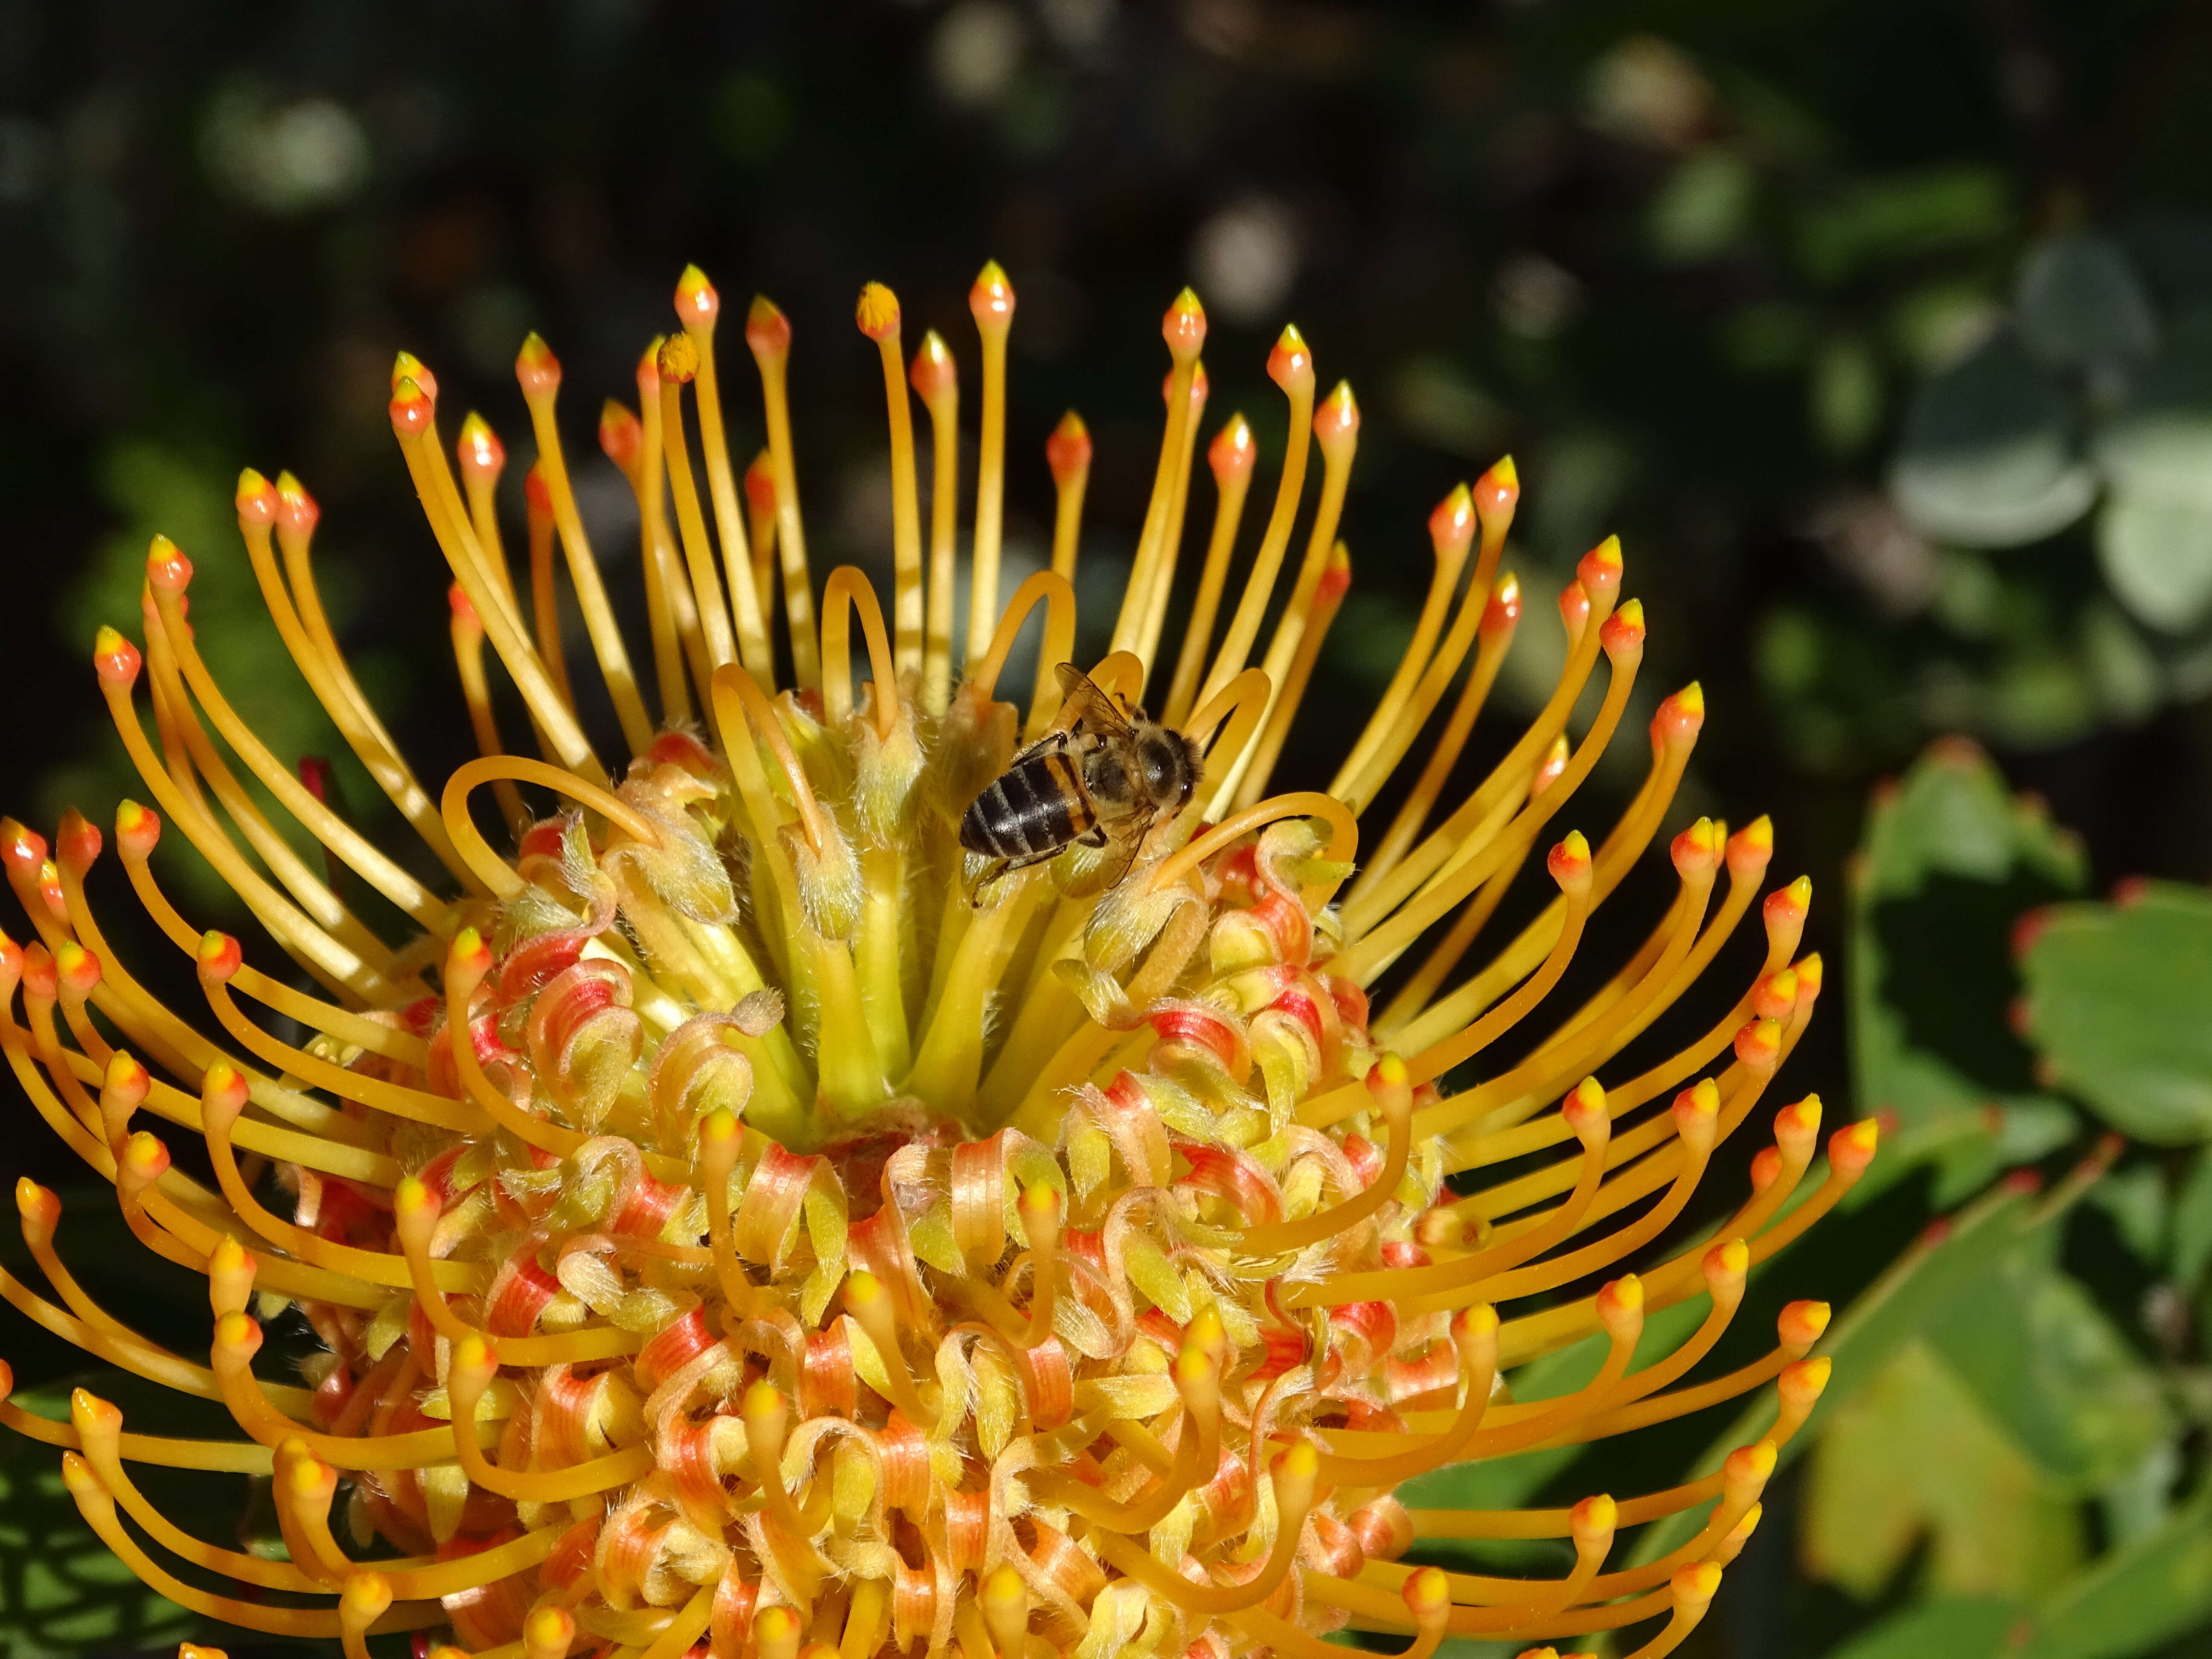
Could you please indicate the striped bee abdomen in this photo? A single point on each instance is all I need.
(1037, 808)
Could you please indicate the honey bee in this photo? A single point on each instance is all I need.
(1105, 781)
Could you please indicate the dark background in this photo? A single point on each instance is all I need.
(219, 223)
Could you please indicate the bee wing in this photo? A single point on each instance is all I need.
(1094, 709)
(1125, 838)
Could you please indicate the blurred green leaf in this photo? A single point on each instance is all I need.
(1969, 596)
(2135, 1199)
(1586, 472)
(2117, 1000)
(2040, 698)
(1843, 393)
(2158, 557)
(1935, 324)
(2130, 681)
(1971, 1151)
(2135, 1598)
(2173, 249)
(2192, 1231)
(1369, 652)
(2049, 1368)
(1951, 814)
(1915, 1456)
(2081, 304)
(2154, 536)
(1950, 859)
(1703, 208)
(1879, 221)
(2138, 1503)
(2156, 445)
(1955, 1626)
(1987, 457)
(1767, 336)
(1787, 651)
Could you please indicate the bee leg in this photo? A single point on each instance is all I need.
(1095, 836)
(998, 868)
(1007, 867)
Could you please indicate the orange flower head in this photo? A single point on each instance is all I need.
(734, 1214)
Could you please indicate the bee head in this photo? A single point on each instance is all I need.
(1171, 765)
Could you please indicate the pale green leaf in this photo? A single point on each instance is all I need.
(1951, 1626)
(2157, 554)
(1915, 1458)
(1987, 457)
(2193, 1220)
(2135, 1597)
(2081, 303)
(2046, 1364)
(1703, 209)
(2116, 998)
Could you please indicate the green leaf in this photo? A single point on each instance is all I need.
(1915, 1455)
(2192, 1231)
(2156, 445)
(1987, 457)
(2081, 304)
(2132, 1600)
(1951, 814)
(2116, 1001)
(1935, 323)
(1955, 1626)
(2157, 554)
(2129, 680)
(2139, 1502)
(1906, 215)
(2173, 249)
(2136, 1202)
(2154, 536)
(2135, 1597)
(2047, 1365)
(1843, 393)
(1703, 209)
(1767, 336)
(1950, 859)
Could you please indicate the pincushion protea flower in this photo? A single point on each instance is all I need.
(722, 1232)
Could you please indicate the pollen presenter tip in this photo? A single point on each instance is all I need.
(991, 299)
(697, 304)
(878, 311)
(1290, 366)
(537, 370)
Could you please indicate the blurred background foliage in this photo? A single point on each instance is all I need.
(1881, 331)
